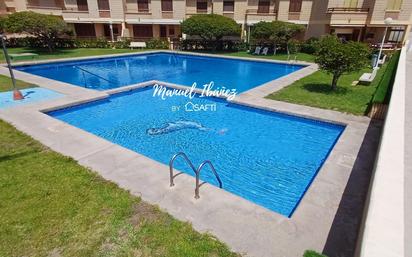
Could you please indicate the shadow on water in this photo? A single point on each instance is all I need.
(343, 235)
(27, 93)
(324, 89)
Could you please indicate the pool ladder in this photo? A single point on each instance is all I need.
(91, 73)
(196, 171)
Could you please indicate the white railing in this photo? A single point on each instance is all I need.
(382, 232)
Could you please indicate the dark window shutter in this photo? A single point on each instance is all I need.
(103, 5)
(201, 5)
(167, 5)
(143, 5)
(229, 6)
(295, 5)
(263, 6)
(142, 31)
(82, 5)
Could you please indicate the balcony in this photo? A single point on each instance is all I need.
(53, 7)
(255, 15)
(348, 16)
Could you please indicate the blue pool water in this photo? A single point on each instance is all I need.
(108, 73)
(265, 157)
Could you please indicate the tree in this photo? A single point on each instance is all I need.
(275, 32)
(211, 27)
(47, 28)
(337, 58)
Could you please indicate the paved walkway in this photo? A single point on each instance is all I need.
(327, 219)
(408, 153)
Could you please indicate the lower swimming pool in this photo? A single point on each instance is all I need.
(265, 157)
(113, 72)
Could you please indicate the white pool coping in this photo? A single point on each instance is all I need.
(246, 227)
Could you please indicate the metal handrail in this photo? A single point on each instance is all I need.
(197, 196)
(171, 165)
(100, 77)
(196, 171)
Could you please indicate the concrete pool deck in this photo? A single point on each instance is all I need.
(327, 218)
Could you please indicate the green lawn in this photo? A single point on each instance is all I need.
(6, 84)
(279, 56)
(315, 90)
(67, 53)
(51, 206)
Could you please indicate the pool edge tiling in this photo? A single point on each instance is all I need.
(245, 227)
(179, 68)
(71, 114)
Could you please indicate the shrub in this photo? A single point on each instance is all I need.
(384, 88)
(337, 58)
(156, 43)
(310, 253)
(310, 46)
(293, 46)
(122, 44)
(92, 43)
(211, 28)
(223, 45)
(47, 29)
(275, 32)
(33, 42)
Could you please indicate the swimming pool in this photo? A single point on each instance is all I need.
(265, 157)
(182, 69)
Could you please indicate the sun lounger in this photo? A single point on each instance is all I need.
(137, 45)
(257, 50)
(382, 61)
(368, 77)
(23, 56)
(265, 51)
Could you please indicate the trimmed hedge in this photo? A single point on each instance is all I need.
(384, 89)
(222, 45)
(310, 253)
(156, 43)
(32, 42)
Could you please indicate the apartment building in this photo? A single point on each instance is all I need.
(360, 20)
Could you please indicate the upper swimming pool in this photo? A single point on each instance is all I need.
(114, 72)
(265, 157)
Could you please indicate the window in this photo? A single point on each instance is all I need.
(396, 35)
(167, 5)
(351, 3)
(143, 5)
(295, 5)
(103, 5)
(394, 5)
(107, 34)
(201, 6)
(171, 31)
(228, 6)
(142, 31)
(82, 5)
(263, 6)
(84, 30)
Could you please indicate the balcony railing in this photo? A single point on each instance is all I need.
(259, 12)
(104, 13)
(347, 9)
(76, 10)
